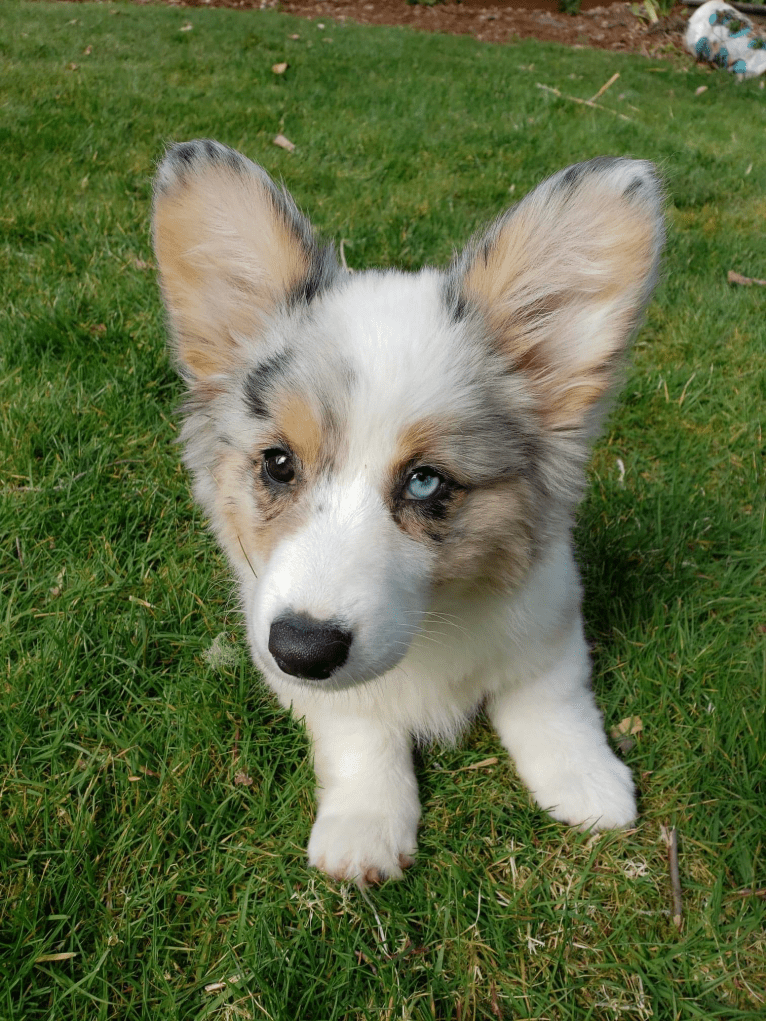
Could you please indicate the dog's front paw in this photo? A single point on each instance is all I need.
(595, 794)
(364, 847)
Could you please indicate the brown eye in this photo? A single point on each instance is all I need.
(278, 466)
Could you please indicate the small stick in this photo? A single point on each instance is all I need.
(67, 482)
(603, 88)
(582, 102)
(683, 392)
(748, 893)
(737, 278)
(343, 256)
(675, 882)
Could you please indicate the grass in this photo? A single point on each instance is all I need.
(155, 802)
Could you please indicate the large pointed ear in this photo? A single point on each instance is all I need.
(231, 247)
(563, 278)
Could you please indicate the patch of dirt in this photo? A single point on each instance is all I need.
(607, 27)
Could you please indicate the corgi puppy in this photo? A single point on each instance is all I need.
(392, 463)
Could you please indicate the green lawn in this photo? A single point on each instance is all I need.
(154, 801)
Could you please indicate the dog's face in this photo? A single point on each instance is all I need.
(362, 440)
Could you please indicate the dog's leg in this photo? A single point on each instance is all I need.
(367, 819)
(554, 731)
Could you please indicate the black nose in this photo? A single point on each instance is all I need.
(305, 647)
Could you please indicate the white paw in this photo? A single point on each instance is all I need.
(594, 794)
(364, 847)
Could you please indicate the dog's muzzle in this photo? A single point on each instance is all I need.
(305, 647)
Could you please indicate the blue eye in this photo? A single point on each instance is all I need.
(422, 484)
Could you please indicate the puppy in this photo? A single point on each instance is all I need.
(392, 463)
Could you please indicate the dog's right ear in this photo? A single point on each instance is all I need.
(231, 247)
(562, 279)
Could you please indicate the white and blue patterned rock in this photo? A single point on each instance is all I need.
(721, 35)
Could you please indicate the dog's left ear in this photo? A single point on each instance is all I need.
(231, 247)
(563, 278)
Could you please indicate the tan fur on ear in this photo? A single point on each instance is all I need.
(563, 279)
(230, 246)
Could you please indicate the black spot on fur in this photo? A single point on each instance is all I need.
(185, 157)
(260, 380)
(523, 453)
(572, 176)
(435, 510)
(458, 307)
(634, 185)
(322, 270)
(184, 153)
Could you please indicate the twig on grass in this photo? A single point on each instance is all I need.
(747, 893)
(675, 881)
(582, 102)
(343, 256)
(737, 278)
(604, 87)
(683, 392)
(42, 489)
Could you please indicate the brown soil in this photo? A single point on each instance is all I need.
(607, 27)
(601, 25)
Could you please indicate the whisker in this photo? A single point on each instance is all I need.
(442, 617)
(247, 558)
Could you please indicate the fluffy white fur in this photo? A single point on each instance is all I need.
(444, 607)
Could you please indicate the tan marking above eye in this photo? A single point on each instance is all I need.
(297, 421)
(417, 439)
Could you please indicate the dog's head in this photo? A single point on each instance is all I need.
(363, 440)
